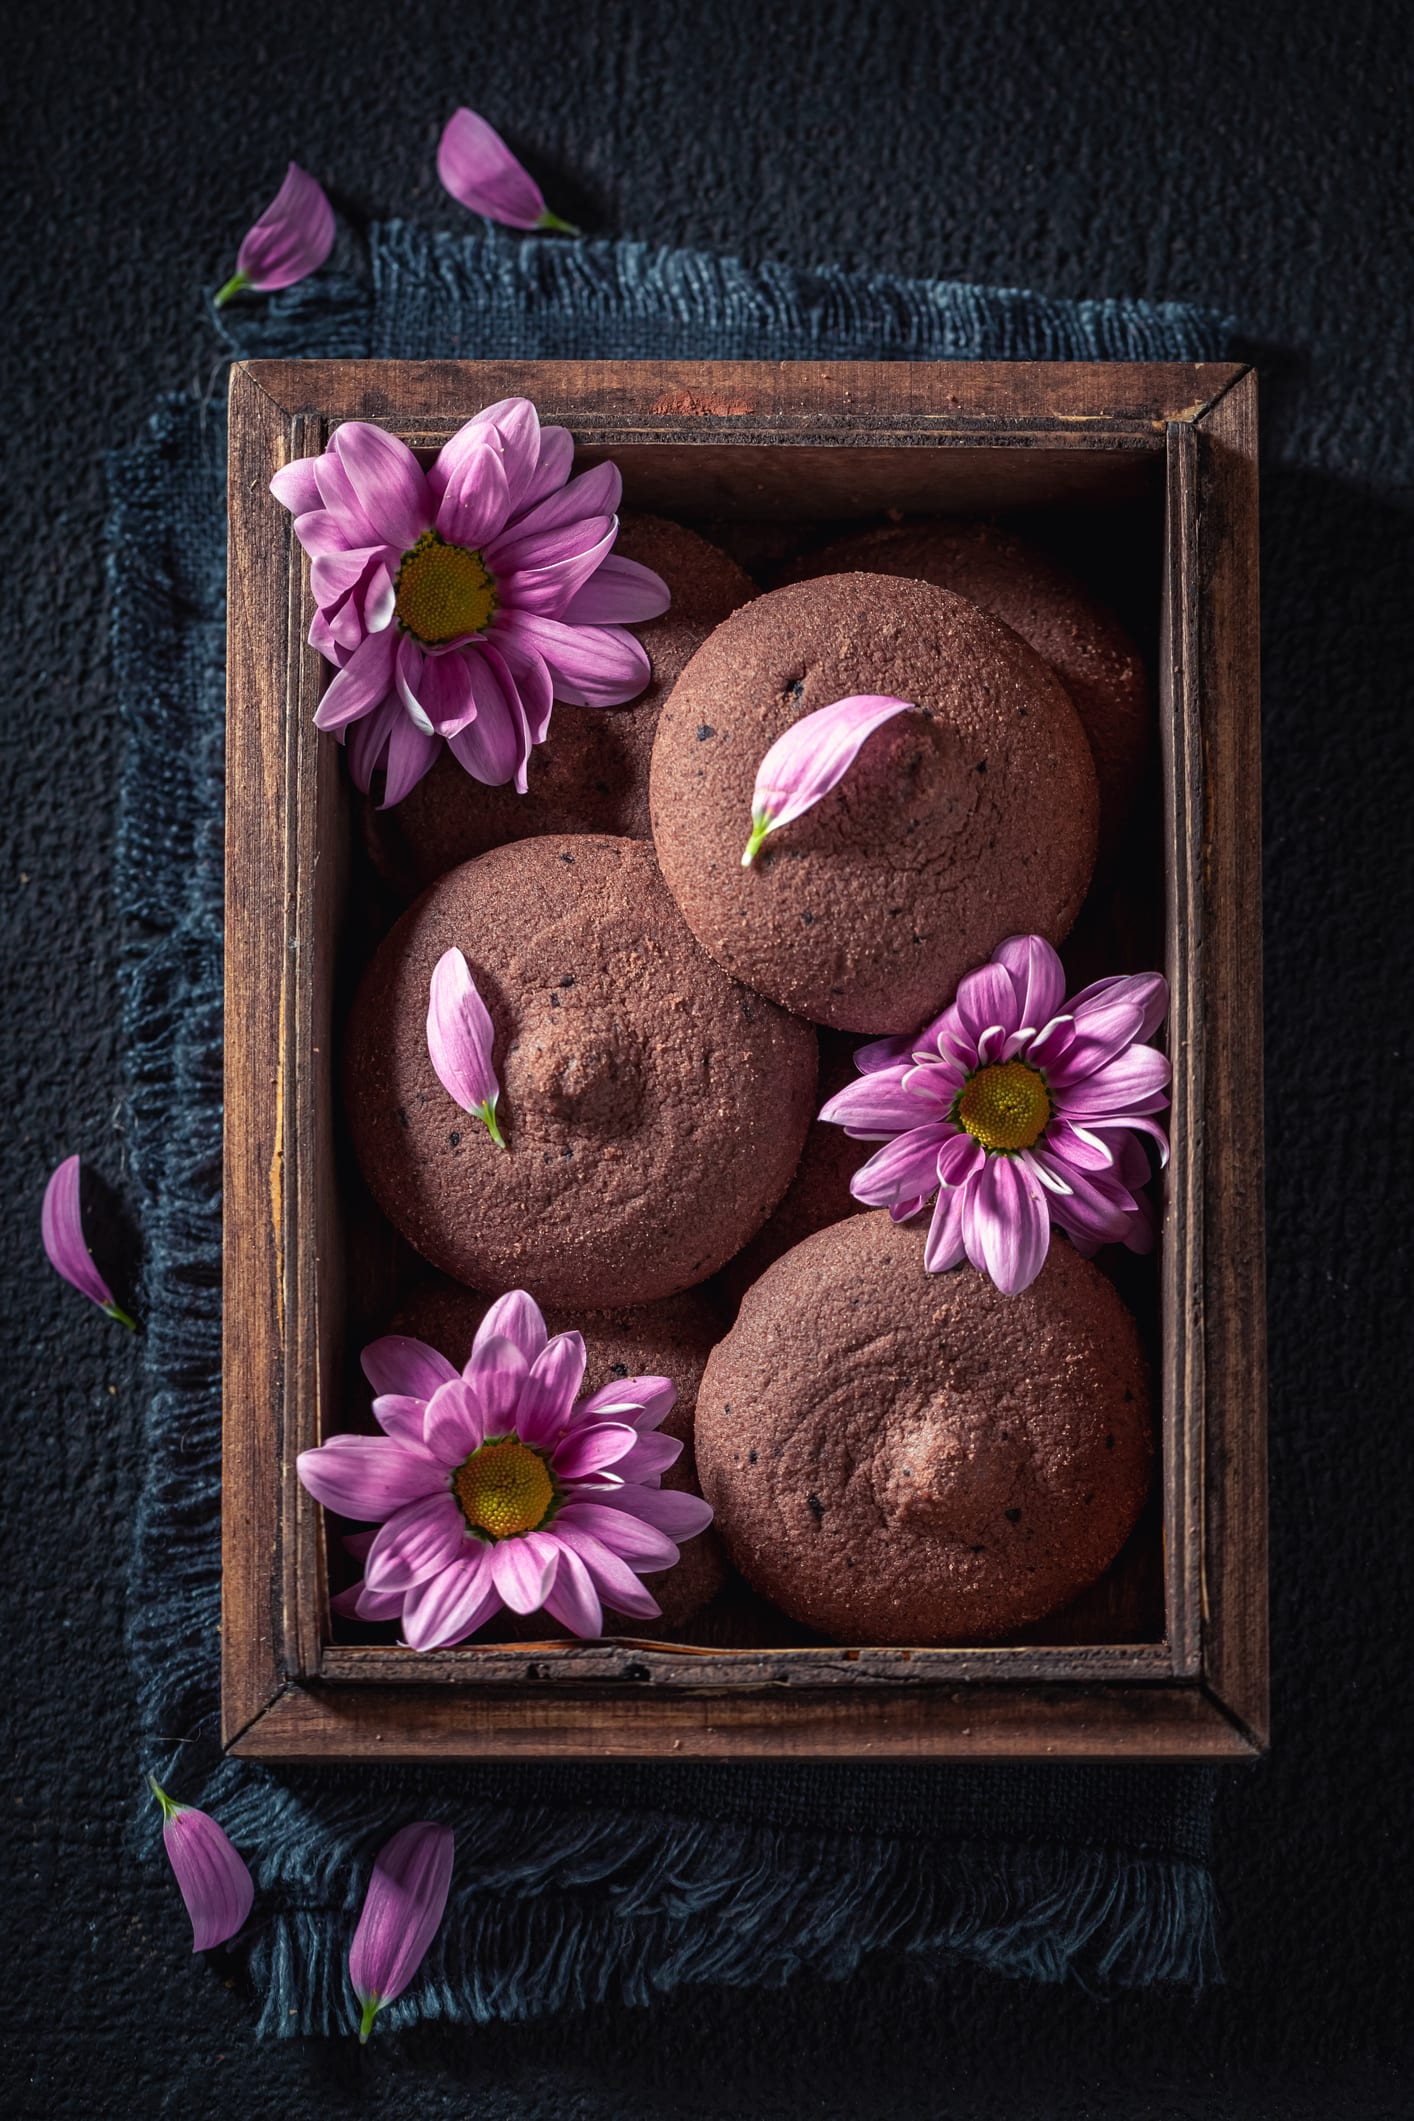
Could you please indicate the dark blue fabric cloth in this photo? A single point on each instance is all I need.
(572, 1883)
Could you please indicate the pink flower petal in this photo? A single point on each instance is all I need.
(359, 1603)
(292, 238)
(454, 1424)
(523, 1570)
(523, 677)
(593, 1449)
(1146, 991)
(625, 1534)
(987, 998)
(513, 427)
(572, 1598)
(387, 482)
(435, 689)
(591, 666)
(672, 1510)
(594, 495)
(475, 165)
(613, 1579)
(621, 592)
(460, 1036)
(548, 1393)
(213, 1878)
(490, 747)
(883, 1053)
(944, 1248)
(546, 589)
(650, 1457)
(1037, 978)
(553, 466)
(410, 756)
(448, 1607)
(334, 574)
(959, 1159)
(476, 499)
(641, 1401)
(369, 1477)
(880, 1104)
(406, 1899)
(416, 1541)
(812, 757)
(1006, 1224)
(409, 1368)
(363, 684)
(517, 1318)
(296, 487)
(401, 1417)
(1075, 1147)
(1135, 1079)
(497, 1371)
(336, 491)
(61, 1231)
(906, 1168)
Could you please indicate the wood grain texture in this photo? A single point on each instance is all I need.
(813, 440)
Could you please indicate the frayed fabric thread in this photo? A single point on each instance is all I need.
(572, 1884)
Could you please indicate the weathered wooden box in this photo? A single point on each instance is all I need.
(1159, 459)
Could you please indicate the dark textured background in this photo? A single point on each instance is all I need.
(1258, 160)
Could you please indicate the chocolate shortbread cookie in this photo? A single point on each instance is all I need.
(956, 826)
(591, 773)
(653, 1109)
(1026, 589)
(898, 1457)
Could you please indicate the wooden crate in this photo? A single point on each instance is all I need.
(1168, 454)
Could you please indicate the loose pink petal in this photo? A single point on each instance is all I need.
(363, 684)
(593, 1449)
(410, 1368)
(549, 1390)
(387, 481)
(812, 757)
(61, 1232)
(592, 666)
(292, 238)
(407, 1897)
(453, 1604)
(523, 1570)
(572, 1598)
(369, 1477)
(213, 1878)
(621, 592)
(478, 169)
(454, 1424)
(416, 1542)
(517, 1318)
(460, 1037)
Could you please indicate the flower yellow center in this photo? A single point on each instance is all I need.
(504, 1488)
(443, 591)
(1004, 1106)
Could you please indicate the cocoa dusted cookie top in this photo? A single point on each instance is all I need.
(955, 827)
(668, 1339)
(591, 773)
(1079, 637)
(653, 1109)
(897, 1457)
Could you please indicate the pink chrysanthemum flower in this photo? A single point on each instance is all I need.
(494, 1486)
(457, 603)
(1019, 1109)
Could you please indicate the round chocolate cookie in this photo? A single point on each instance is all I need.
(668, 1339)
(591, 773)
(819, 1193)
(653, 1110)
(957, 826)
(1080, 638)
(898, 1457)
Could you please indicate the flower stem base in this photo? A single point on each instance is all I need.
(365, 2023)
(124, 1318)
(553, 225)
(233, 286)
(760, 826)
(487, 1115)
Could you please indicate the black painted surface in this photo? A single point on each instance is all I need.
(1253, 159)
